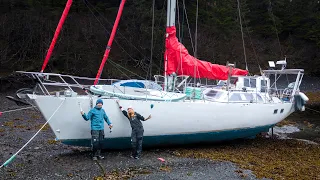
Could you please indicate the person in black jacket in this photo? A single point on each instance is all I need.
(137, 130)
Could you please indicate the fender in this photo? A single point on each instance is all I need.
(303, 96)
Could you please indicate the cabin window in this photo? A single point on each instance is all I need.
(222, 83)
(253, 83)
(249, 82)
(214, 94)
(246, 82)
(264, 86)
(275, 111)
(233, 80)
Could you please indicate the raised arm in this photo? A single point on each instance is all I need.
(87, 117)
(140, 117)
(124, 112)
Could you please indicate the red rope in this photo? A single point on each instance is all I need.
(113, 33)
(56, 34)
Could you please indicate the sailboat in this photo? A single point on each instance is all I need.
(239, 106)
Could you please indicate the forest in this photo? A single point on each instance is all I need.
(272, 30)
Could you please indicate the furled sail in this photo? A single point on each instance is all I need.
(178, 60)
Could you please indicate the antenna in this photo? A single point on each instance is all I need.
(271, 64)
(283, 63)
(280, 62)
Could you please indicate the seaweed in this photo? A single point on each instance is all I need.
(124, 174)
(276, 159)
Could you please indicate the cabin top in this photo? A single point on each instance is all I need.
(247, 83)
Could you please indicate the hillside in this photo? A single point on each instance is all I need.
(27, 28)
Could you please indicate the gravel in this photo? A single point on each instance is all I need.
(45, 158)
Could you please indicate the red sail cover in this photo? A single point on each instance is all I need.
(178, 60)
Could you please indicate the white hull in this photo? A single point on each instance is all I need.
(168, 118)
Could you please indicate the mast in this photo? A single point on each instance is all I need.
(56, 34)
(171, 19)
(171, 13)
(113, 33)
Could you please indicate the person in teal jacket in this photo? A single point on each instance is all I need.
(97, 115)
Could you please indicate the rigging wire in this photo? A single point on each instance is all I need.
(254, 51)
(196, 31)
(179, 25)
(180, 50)
(277, 34)
(275, 26)
(113, 63)
(150, 68)
(185, 11)
(87, 3)
(110, 24)
(155, 40)
(195, 46)
(244, 48)
(189, 30)
(117, 65)
(108, 31)
(182, 26)
(196, 40)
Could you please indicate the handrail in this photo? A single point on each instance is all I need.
(61, 80)
(54, 74)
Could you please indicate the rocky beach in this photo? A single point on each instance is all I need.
(183, 44)
(287, 155)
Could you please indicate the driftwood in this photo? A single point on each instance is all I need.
(19, 102)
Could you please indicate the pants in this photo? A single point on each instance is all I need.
(136, 142)
(97, 137)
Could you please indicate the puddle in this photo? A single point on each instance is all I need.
(283, 131)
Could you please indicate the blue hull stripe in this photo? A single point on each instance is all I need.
(178, 139)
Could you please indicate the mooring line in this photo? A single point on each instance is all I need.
(103, 171)
(313, 110)
(13, 156)
(14, 110)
